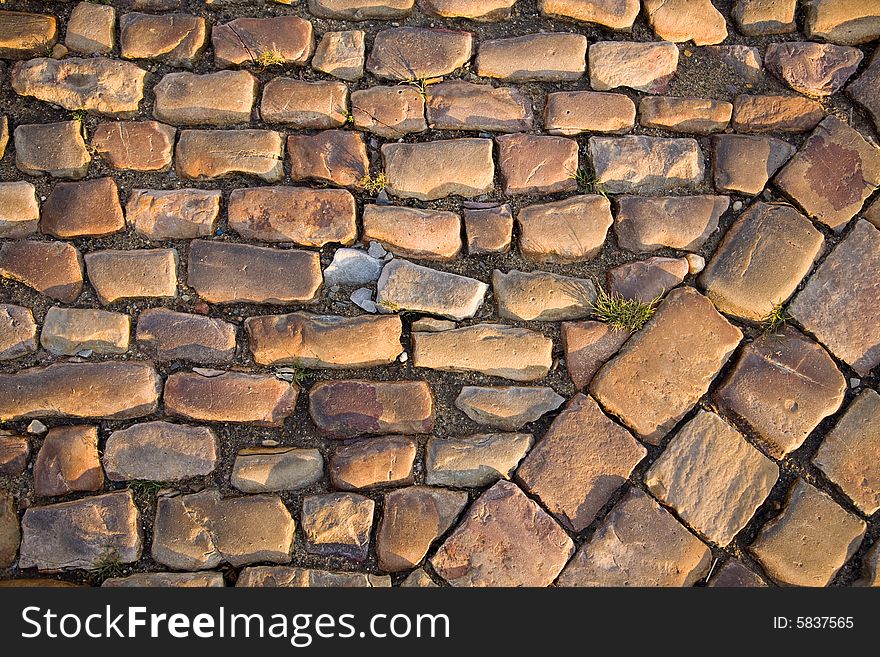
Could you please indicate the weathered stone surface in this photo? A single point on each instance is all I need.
(765, 17)
(80, 533)
(507, 407)
(839, 303)
(76, 390)
(89, 208)
(361, 10)
(588, 345)
(432, 170)
(298, 104)
(459, 105)
(173, 214)
(701, 116)
(135, 145)
(647, 280)
(647, 67)
(341, 54)
(338, 524)
(269, 469)
(833, 174)
(256, 399)
(345, 409)
(638, 544)
(506, 539)
(480, 10)
(617, 14)
(645, 224)
(841, 21)
(336, 157)
(761, 261)
(57, 149)
(574, 112)
(776, 114)
(166, 580)
(416, 53)
(413, 233)
(810, 541)
(324, 341)
(14, 453)
(686, 20)
(675, 357)
(176, 39)
(865, 90)
(222, 98)
(352, 267)
(744, 163)
(532, 164)
(413, 519)
(545, 57)
(223, 272)
(406, 286)
(160, 451)
(51, 268)
(814, 69)
(277, 576)
(733, 574)
(18, 331)
(24, 35)
(646, 165)
(489, 230)
(491, 349)
(100, 85)
(571, 230)
(203, 530)
(19, 209)
(91, 29)
(206, 154)
(373, 462)
(474, 461)
(713, 478)
(167, 335)
(136, 274)
(10, 532)
(848, 454)
(389, 112)
(783, 386)
(542, 296)
(252, 40)
(68, 331)
(310, 217)
(68, 462)
(579, 463)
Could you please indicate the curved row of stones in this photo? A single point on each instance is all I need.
(676, 435)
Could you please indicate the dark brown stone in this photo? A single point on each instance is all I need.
(51, 268)
(83, 209)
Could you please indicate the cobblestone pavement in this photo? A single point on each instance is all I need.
(445, 292)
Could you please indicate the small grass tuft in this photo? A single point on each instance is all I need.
(587, 183)
(143, 487)
(349, 118)
(373, 184)
(78, 115)
(294, 373)
(623, 314)
(775, 319)
(108, 565)
(390, 306)
(269, 58)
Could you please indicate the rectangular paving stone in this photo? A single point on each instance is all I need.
(287, 576)
(638, 544)
(507, 407)
(413, 233)
(542, 296)
(647, 67)
(69, 331)
(361, 10)
(491, 349)
(809, 542)
(700, 116)
(814, 177)
(51, 268)
(417, 53)
(207, 154)
(575, 112)
(389, 112)
(341, 54)
(433, 170)
(675, 357)
(175, 39)
(763, 17)
(534, 164)
(224, 272)
(745, 163)
(744, 277)
(305, 216)
(137, 274)
(459, 105)
(373, 462)
(645, 224)
(25, 34)
(289, 39)
(338, 525)
(80, 533)
(583, 458)
(173, 214)
(478, 10)
(68, 462)
(160, 451)
(474, 461)
(221, 98)
(112, 390)
(776, 114)
(615, 15)
(712, 477)
(839, 303)
(168, 335)
(588, 346)
(18, 331)
(837, 21)
(269, 469)
(19, 209)
(324, 341)
(848, 455)
(91, 29)
(733, 574)
(406, 286)
(566, 231)
(488, 230)
(56, 149)
(135, 145)
(256, 399)
(304, 105)
(646, 165)
(331, 157)
(89, 208)
(782, 386)
(545, 57)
